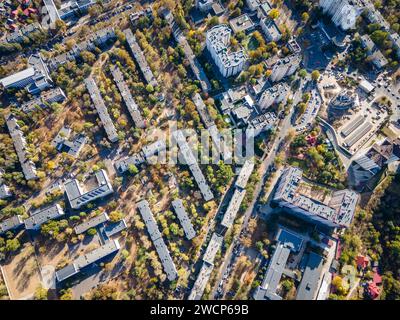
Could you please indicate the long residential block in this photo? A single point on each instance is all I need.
(140, 58)
(42, 216)
(184, 219)
(191, 161)
(28, 167)
(127, 96)
(91, 223)
(101, 109)
(156, 238)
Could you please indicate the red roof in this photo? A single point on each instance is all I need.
(311, 140)
(373, 290)
(377, 278)
(362, 262)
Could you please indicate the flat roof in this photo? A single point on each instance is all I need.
(16, 77)
(245, 173)
(312, 276)
(43, 215)
(101, 108)
(158, 242)
(91, 223)
(267, 290)
(233, 208)
(214, 245)
(127, 96)
(183, 218)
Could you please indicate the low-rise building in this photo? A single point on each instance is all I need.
(63, 143)
(344, 100)
(34, 78)
(137, 53)
(78, 196)
(91, 223)
(184, 219)
(74, 8)
(158, 242)
(98, 38)
(146, 154)
(127, 96)
(191, 161)
(363, 169)
(376, 56)
(11, 223)
(4, 190)
(101, 108)
(311, 280)
(45, 98)
(145, 13)
(243, 23)
(42, 216)
(27, 165)
(276, 266)
(334, 209)
(17, 36)
(229, 62)
(87, 259)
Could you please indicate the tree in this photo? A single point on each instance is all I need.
(213, 21)
(305, 17)
(303, 73)
(115, 216)
(91, 231)
(66, 294)
(132, 169)
(12, 245)
(40, 293)
(315, 75)
(149, 88)
(60, 26)
(274, 13)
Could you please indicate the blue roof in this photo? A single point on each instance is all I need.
(288, 237)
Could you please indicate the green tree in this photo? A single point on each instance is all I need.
(116, 216)
(12, 245)
(274, 13)
(315, 75)
(40, 293)
(132, 169)
(303, 73)
(305, 17)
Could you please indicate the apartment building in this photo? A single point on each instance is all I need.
(229, 62)
(334, 209)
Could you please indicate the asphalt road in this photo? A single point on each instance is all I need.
(268, 160)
